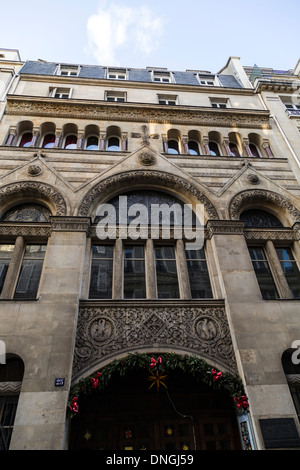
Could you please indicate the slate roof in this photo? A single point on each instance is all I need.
(136, 75)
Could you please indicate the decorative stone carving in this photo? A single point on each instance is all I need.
(262, 196)
(147, 159)
(35, 189)
(70, 224)
(25, 230)
(105, 331)
(34, 170)
(230, 117)
(146, 177)
(253, 178)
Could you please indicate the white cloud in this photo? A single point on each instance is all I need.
(117, 27)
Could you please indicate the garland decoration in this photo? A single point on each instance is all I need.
(159, 369)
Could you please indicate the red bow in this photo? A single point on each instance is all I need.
(154, 362)
(216, 375)
(241, 402)
(95, 381)
(73, 406)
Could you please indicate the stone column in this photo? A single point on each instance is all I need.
(102, 141)
(206, 145)
(266, 147)
(227, 148)
(124, 142)
(13, 269)
(278, 274)
(183, 275)
(57, 138)
(150, 270)
(118, 270)
(185, 141)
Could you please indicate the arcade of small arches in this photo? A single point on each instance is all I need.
(69, 137)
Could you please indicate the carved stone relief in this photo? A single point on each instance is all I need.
(104, 332)
(35, 188)
(264, 196)
(146, 177)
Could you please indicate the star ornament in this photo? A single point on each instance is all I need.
(158, 379)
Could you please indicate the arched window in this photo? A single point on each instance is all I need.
(26, 139)
(92, 143)
(214, 149)
(71, 142)
(234, 149)
(49, 141)
(254, 151)
(173, 147)
(148, 272)
(27, 213)
(193, 147)
(113, 144)
(259, 218)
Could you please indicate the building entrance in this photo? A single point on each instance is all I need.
(184, 416)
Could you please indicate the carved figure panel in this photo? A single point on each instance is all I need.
(104, 332)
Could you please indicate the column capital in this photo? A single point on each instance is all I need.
(70, 224)
(217, 227)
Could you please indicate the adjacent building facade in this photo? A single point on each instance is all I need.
(217, 322)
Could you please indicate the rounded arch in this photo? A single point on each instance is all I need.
(147, 396)
(140, 179)
(270, 201)
(32, 192)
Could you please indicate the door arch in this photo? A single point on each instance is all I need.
(131, 411)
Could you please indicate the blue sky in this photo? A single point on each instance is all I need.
(179, 35)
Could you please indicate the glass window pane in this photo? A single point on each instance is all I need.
(290, 269)
(134, 272)
(30, 273)
(101, 272)
(263, 273)
(166, 273)
(5, 255)
(198, 274)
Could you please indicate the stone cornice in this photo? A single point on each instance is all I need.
(136, 112)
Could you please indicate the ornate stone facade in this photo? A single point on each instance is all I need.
(228, 160)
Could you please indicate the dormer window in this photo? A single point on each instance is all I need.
(206, 81)
(116, 74)
(68, 71)
(162, 77)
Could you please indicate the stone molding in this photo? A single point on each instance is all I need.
(263, 196)
(144, 177)
(70, 224)
(271, 234)
(134, 112)
(33, 188)
(15, 229)
(216, 227)
(107, 330)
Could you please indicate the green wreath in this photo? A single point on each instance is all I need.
(166, 363)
